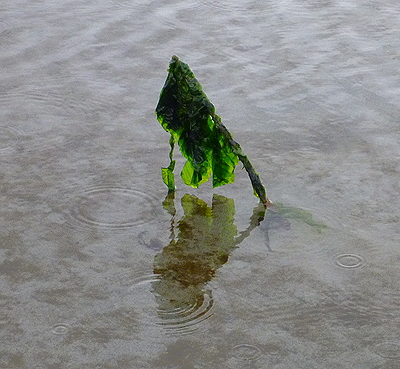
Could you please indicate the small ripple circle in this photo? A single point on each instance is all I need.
(180, 311)
(349, 261)
(114, 207)
(60, 328)
(246, 351)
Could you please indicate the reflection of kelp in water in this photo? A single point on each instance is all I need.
(206, 238)
(278, 216)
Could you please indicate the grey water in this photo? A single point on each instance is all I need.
(98, 269)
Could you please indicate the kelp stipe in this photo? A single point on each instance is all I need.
(186, 113)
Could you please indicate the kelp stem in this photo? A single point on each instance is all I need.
(258, 187)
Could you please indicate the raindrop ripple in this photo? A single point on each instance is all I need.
(179, 320)
(114, 208)
(246, 351)
(349, 261)
(186, 319)
(60, 328)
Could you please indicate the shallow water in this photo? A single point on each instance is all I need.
(91, 260)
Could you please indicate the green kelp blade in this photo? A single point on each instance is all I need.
(186, 113)
(223, 169)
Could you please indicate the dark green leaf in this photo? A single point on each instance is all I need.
(186, 113)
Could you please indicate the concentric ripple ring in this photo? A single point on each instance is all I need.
(349, 261)
(114, 207)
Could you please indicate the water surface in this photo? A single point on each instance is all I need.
(91, 255)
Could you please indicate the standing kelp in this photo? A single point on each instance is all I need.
(186, 113)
